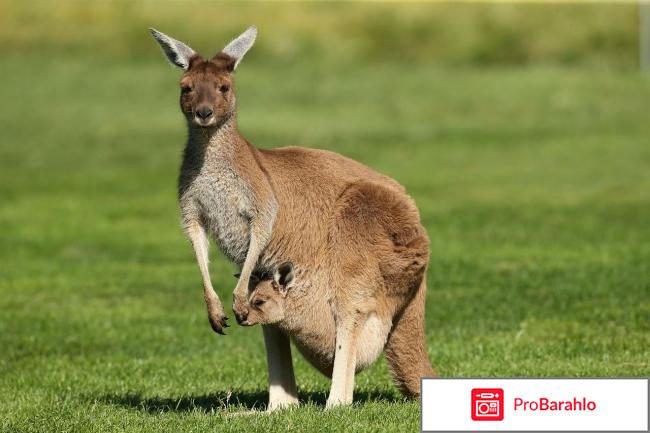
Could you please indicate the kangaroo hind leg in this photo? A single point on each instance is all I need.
(350, 315)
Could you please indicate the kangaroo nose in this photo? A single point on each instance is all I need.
(204, 112)
(241, 316)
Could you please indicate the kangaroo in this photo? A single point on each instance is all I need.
(305, 313)
(263, 207)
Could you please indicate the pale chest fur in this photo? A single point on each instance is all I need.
(219, 198)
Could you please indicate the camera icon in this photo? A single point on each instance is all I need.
(487, 404)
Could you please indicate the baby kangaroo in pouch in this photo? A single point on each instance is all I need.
(353, 236)
(312, 328)
(267, 300)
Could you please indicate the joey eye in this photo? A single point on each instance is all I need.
(258, 303)
(186, 89)
(224, 88)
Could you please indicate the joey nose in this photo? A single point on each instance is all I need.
(204, 112)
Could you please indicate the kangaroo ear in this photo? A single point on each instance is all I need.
(177, 52)
(240, 45)
(284, 276)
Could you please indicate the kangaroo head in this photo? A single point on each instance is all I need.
(267, 304)
(207, 95)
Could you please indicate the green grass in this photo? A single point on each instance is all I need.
(533, 184)
(458, 33)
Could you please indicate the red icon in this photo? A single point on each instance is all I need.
(487, 404)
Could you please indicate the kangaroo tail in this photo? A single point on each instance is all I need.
(405, 349)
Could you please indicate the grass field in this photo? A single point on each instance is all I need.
(532, 181)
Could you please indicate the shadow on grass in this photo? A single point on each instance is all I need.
(220, 401)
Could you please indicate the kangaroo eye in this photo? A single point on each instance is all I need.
(224, 88)
(258, 302)
(186, 89)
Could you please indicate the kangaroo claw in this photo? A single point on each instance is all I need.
(218, 324)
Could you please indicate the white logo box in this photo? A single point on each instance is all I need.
(618, 404)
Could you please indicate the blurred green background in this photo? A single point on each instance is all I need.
(521, 130)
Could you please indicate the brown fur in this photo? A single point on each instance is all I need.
(373, 265)
(354, 236)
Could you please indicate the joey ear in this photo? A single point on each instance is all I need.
(240, 45)
(284, 276)
(177, 52)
